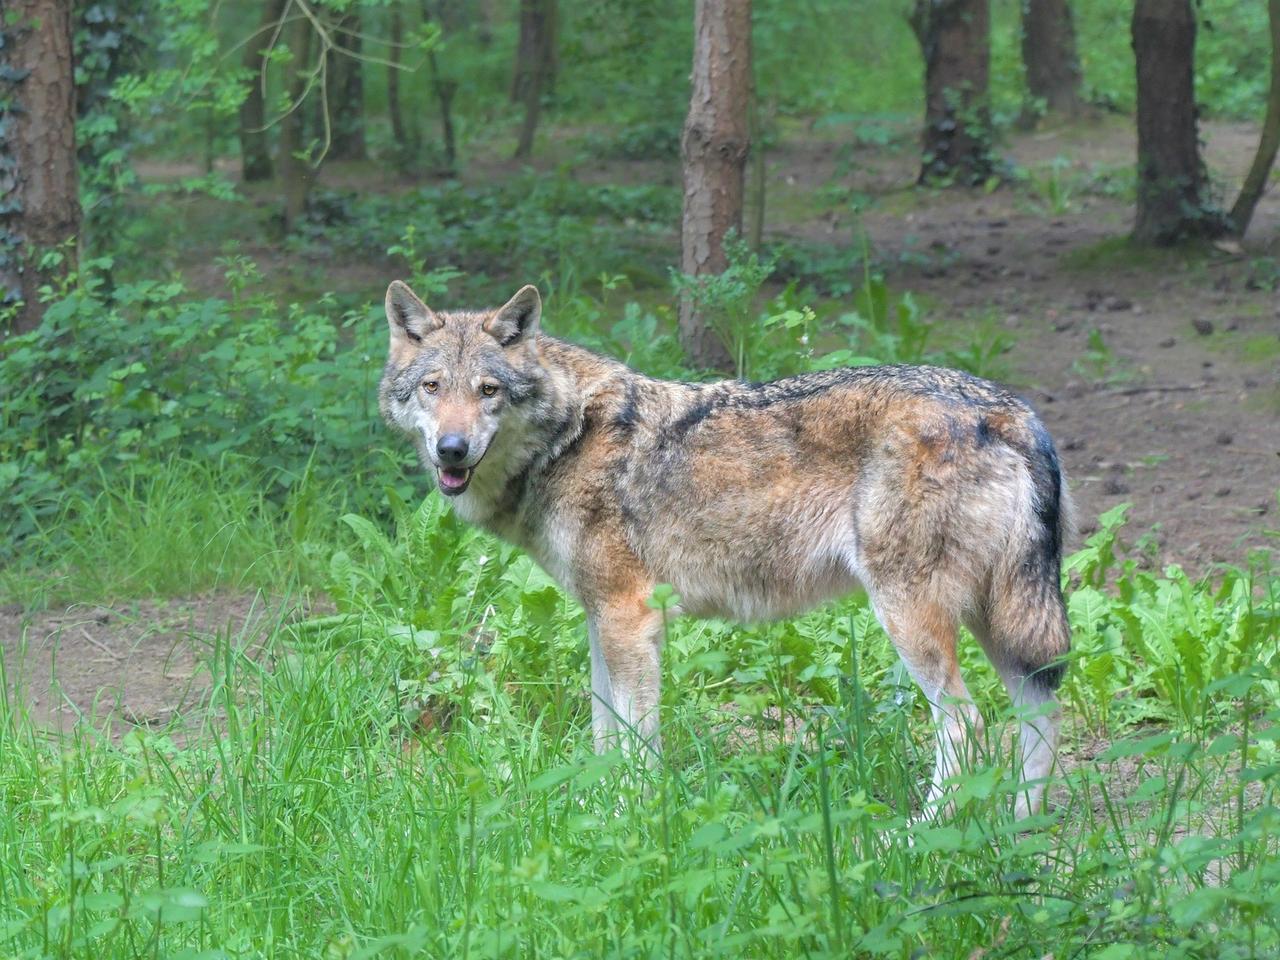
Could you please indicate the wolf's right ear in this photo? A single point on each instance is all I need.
(409, 318)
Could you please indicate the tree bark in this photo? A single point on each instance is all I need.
(444, 89)
(396, 115)
(955, 38)
(714, 146)
(346, 91)
(485, 20)
(296, 171)
(1256, 181)
(534, 73)
(39, 198)
(537, 56)
(529, 126)
(1050, 58)
(1173, 202)
(255, 152)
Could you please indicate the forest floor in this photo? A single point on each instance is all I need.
(1157, 372)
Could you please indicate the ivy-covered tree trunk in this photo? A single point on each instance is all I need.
(714, 147)
(345, 78)
(39, 198)
(1049, 56)
(955, 38)
(1173, 200)
(255, 151)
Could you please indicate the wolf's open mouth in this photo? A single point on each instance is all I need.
(453, 480)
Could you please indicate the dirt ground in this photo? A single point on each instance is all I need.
(144, 663)
(1158, 374)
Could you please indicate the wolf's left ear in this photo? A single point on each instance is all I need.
(518, 319)
(409, 318)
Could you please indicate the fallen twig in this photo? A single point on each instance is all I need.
(100, 645)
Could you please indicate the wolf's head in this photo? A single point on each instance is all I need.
(452, 378)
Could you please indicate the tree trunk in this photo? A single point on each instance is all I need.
(714, 147)
(39, 199)
(1173, 203)
(537, 57)
(444, 90)
(529, 126)
(396, 31)
(1049, 56)
(255, 153)
(1256, 182)
(535, 66)
(346, 91)
(484, 27)
(442, 87)
(757, 189)
(954, 36)
(296, 171)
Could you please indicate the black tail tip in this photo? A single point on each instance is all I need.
(1048, 677)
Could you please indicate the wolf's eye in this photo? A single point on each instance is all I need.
(431, 385)
(488, 389)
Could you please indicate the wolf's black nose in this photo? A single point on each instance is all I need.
(452, 448)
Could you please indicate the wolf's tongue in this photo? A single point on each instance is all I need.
(453, 477)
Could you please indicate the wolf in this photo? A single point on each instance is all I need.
(938, 493)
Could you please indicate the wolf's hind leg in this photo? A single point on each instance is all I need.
(1024, 634)
(604, 721)
(925, 636)
(626, 646)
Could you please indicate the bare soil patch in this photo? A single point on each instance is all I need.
(144, 663)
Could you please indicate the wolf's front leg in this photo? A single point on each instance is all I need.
(626, 647)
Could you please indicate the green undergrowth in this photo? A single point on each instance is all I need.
(413, 776)
(142, 421)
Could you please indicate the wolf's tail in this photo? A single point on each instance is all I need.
(1027, 631)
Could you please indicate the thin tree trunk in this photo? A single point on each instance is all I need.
(296, 171)
(714, 147)
(537, 57)
(255, 153)
(535, 66)
(396, 31)
(441, 86)
(346, 91)
(1050, 58)
(444, 90)
(955, 38)
(39, 198)
(210, 124)
(529, 126)
(1173, 202)
(486, 18)
(1256, 181)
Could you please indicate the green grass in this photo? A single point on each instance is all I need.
(170, 529)
(316, 814)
